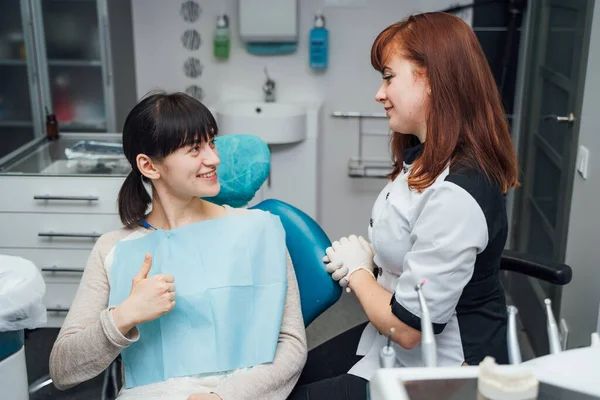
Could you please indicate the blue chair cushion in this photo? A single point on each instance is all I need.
(306, 243)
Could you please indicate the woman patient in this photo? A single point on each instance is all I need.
(184, 291)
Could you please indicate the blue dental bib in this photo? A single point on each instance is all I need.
(231, 281)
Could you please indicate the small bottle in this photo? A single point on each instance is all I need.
(319, 38)
(222, 38)
(51, 126)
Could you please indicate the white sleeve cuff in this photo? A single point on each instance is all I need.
(112, 332)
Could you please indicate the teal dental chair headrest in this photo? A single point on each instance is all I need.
(245, 164)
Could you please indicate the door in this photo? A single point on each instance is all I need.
(557, 58)
(20, 115)
(75, 57)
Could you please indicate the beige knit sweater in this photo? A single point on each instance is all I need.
(89, 341)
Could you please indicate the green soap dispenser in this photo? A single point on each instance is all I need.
(222, 38)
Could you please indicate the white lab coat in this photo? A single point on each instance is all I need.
(435, 235)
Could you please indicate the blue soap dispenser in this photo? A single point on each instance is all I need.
(319, 38)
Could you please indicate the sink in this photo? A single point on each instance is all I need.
(274, 123)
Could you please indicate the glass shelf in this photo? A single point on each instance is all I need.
(47, 158)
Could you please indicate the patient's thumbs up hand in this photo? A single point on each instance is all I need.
(149, 298)
(143, 272)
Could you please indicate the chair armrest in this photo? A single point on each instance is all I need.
(537, 267)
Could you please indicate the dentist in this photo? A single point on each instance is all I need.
(440, 217)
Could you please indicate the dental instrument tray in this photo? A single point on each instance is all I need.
(461, 383)
(456, 389)
(94, 150)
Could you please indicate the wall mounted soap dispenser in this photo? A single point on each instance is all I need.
(319, 38)
(222, 38)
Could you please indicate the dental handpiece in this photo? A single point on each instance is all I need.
(428, 347)
(514, 350)
(387, 354)
(553, 335)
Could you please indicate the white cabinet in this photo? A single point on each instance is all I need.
(55, 219)
(55, 194)
(57, 235)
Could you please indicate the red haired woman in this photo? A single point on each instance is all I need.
(441, 216)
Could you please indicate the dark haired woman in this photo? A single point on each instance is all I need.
(169, 142)
(441, 216)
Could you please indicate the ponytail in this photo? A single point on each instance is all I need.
(133, 200)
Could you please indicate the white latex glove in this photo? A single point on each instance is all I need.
(347, 256)
(334, 264)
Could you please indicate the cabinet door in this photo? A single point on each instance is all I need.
(287, 182)
(75, 57)
(20, 116)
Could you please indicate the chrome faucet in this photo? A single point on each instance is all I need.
(269, 88)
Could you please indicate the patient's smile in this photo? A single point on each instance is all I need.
(207, 175)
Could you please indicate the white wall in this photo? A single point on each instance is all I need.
(580, 307)
(349, 84)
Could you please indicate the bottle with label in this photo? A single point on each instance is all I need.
(51, 126)
(222, 38)
(319, 38)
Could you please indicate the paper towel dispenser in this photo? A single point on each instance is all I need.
(268, 21)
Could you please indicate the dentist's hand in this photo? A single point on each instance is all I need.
(347, 256)
(334, 264)
(149, 298)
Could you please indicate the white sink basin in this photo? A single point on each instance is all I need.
(274, 123)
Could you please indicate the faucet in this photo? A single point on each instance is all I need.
(269, 88)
